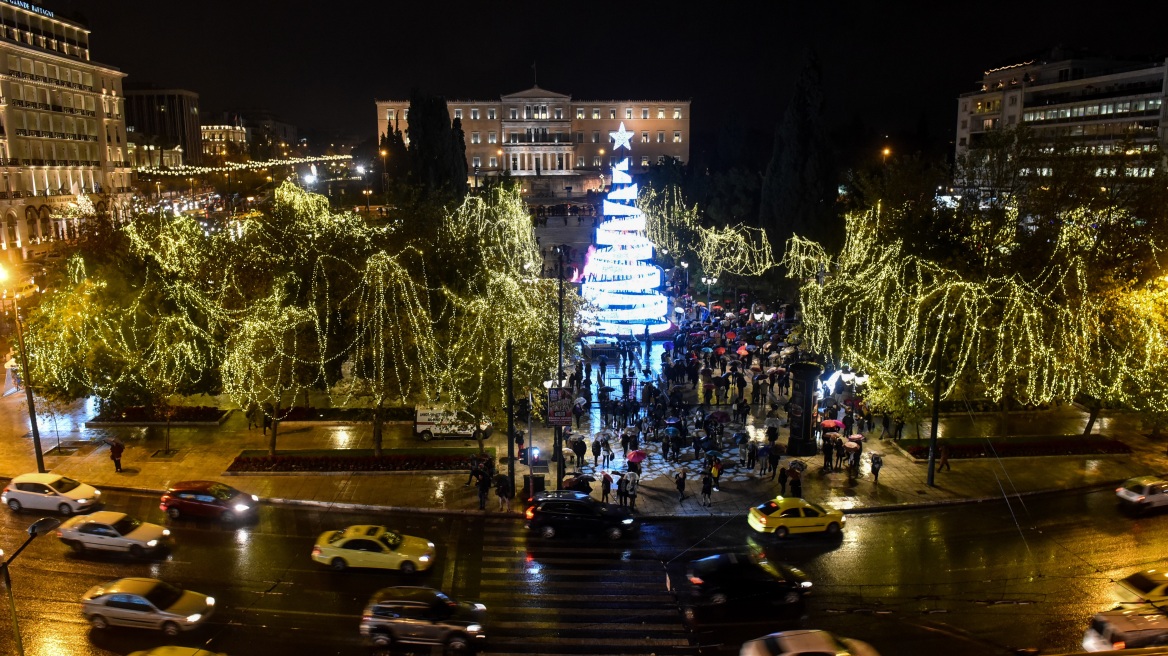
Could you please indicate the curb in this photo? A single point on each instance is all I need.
(363, 507)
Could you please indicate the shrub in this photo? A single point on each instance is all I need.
(344, 463)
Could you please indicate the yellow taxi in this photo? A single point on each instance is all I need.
(785, 515)
(375, 547)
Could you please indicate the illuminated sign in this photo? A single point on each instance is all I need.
(30, 7)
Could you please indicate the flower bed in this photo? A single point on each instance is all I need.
(354, 460)
(1065, 445)
(301, 413)
(139, 414)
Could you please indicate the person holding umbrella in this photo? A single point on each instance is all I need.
(679, 482)
(633, 482)
(596, 448)
(116, 449)
(707, 489)
(605, 486)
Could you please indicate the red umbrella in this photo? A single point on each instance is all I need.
(743, 311)
(637, 456)
(832, 423)
(720, 350)
(731, 335)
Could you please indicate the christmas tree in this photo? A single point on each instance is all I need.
(619, 278)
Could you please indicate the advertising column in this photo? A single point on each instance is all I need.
(804, 379)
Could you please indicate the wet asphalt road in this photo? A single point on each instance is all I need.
(975, 579)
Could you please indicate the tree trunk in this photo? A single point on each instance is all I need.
(378, 420)
(1005, 417)
(1155, 430)
(166, 448)
(1091, 418)
(275, 427)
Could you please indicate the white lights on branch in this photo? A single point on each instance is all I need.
(619, 279)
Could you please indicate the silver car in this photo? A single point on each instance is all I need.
(146, 604)
(49, 492)
(1143, 492)
(113, 531)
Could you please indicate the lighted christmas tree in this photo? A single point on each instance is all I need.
(619, 278)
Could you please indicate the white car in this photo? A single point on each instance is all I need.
(811, 643)
(113, 531)
(146, 604)
(49, 492)
(1143, 492)
(1148, 586)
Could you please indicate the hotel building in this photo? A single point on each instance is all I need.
(170, 117)
(554, 145)
(62, 129)
(1101, 107)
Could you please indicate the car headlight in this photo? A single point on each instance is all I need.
(430, 545)
(844, 519)
(152, 543)
(805, 584)
(194, 618)
(627, 521)
(424, 559)
(474, 628)
(83, 501)
(254, 498)
(97, 493)
(241, 507)
(479, 607)
(165, 532)
(210, 601)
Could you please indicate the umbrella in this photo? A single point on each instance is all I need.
(731, 335)
(788, 350)
(831, 436)
(586, 477)
(720, 350)
(707, 350)
(721, 416)
(743, 311)
(581, 400)
(715, 453)
(672, 432)
(852, 445)
(772, 421)
(700, 304)
(831, 423)
(672, 420)
(636, 456)
(606, 388)
(756, 367)
(751, 347)
(741, 438)
(758, 338)
(856, 438)
(767, 346)
(772, 370)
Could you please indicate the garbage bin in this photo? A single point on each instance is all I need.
(532, 483)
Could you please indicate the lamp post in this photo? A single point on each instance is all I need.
(384, 173)
(38, 528)
(367, 193)
(476, 177)
(24, 370)
(558, 450)
(709, 283)
(685, 267)
(885, 153)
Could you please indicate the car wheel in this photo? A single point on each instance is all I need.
(173, 512)
(14, 505)
(458, 644)
(689, 613)
(137, 551)
(77, 546)
(65, 509)
(427, 436)
(171, 629)
(548, 532)
(338, 564)
(833, 529)
(613, 533)
(792, 597)
(98, 622)
(781, 532)
(227, 517)
(718, 598)
(408, 568)
(381, 639)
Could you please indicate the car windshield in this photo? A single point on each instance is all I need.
(164, 595)
(126, 525)
(1134, 486)
(768, 508)
(391, 539)
(818, 508)
(222, 492)
(1141, 583)
(65, 484)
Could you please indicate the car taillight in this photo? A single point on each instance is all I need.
(1119, 489)
(60, 534)
(696, 580)
(1140, 499)
(762, 519)
(316, 551)
(530, 512)
(1119, 646)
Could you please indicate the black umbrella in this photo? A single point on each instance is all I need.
(606, 388)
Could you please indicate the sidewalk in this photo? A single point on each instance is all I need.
(205, 453)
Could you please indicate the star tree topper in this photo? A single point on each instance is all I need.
(621, 138)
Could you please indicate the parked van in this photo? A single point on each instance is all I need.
(441, 422)
(1146, 626)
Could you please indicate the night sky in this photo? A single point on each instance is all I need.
(320, 65)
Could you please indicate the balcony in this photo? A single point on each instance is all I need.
(565, 139)
(49, 80)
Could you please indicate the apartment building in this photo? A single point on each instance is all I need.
(170, 117)
(62, 130)
(553, 144)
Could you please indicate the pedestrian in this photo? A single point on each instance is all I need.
(596, 449)
(606, 446)
(679, 481)
(622, 490)
(773, 460)
(484, 491)
(716, 472)
(885, 424)
(116, 449)
(783, 482)
(751, 454)
(707, 489)
(944, 464)
(578, 413)
(827, 451)
(253, 416)
(634, 482)
(605, 486)
(473, 466)
(796, 477)
(603, 362)
(588, 370)
(764, 453)
(624, 441)
(665, 447)
(841, 452)
(899, 429)
(503, 491)
(266, 420)
(877, 463)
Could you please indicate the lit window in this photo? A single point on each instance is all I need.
(660, 112)
(559, 113)
(406, 113)
(474, 137)
(677, 137)
(494, 162)
(660, 160)
(644, 160)
(596, 112)
(595, 137)
(644, 137)
(491, 113)
(458, 114)
(514, 113)
(474, 114)
(580, 161)
(389, 114)
(676, 112)
(596, 161)
(628, 112)
(611, 162)
(476, 162)
(491, 137)
(661, 136)
(612, 112)
(644, 112)
(579, 112)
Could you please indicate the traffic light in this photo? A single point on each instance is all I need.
(522, 409)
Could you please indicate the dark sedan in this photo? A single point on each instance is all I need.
(736, 584)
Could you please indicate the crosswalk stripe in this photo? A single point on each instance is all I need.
(507, 593)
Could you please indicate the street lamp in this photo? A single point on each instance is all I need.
(24, 370)
(367, 193)
(384, 174)
(557, 451)
(38, 528)
(886, 152)
(685, 267)
(476, 177)
(709, 283)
